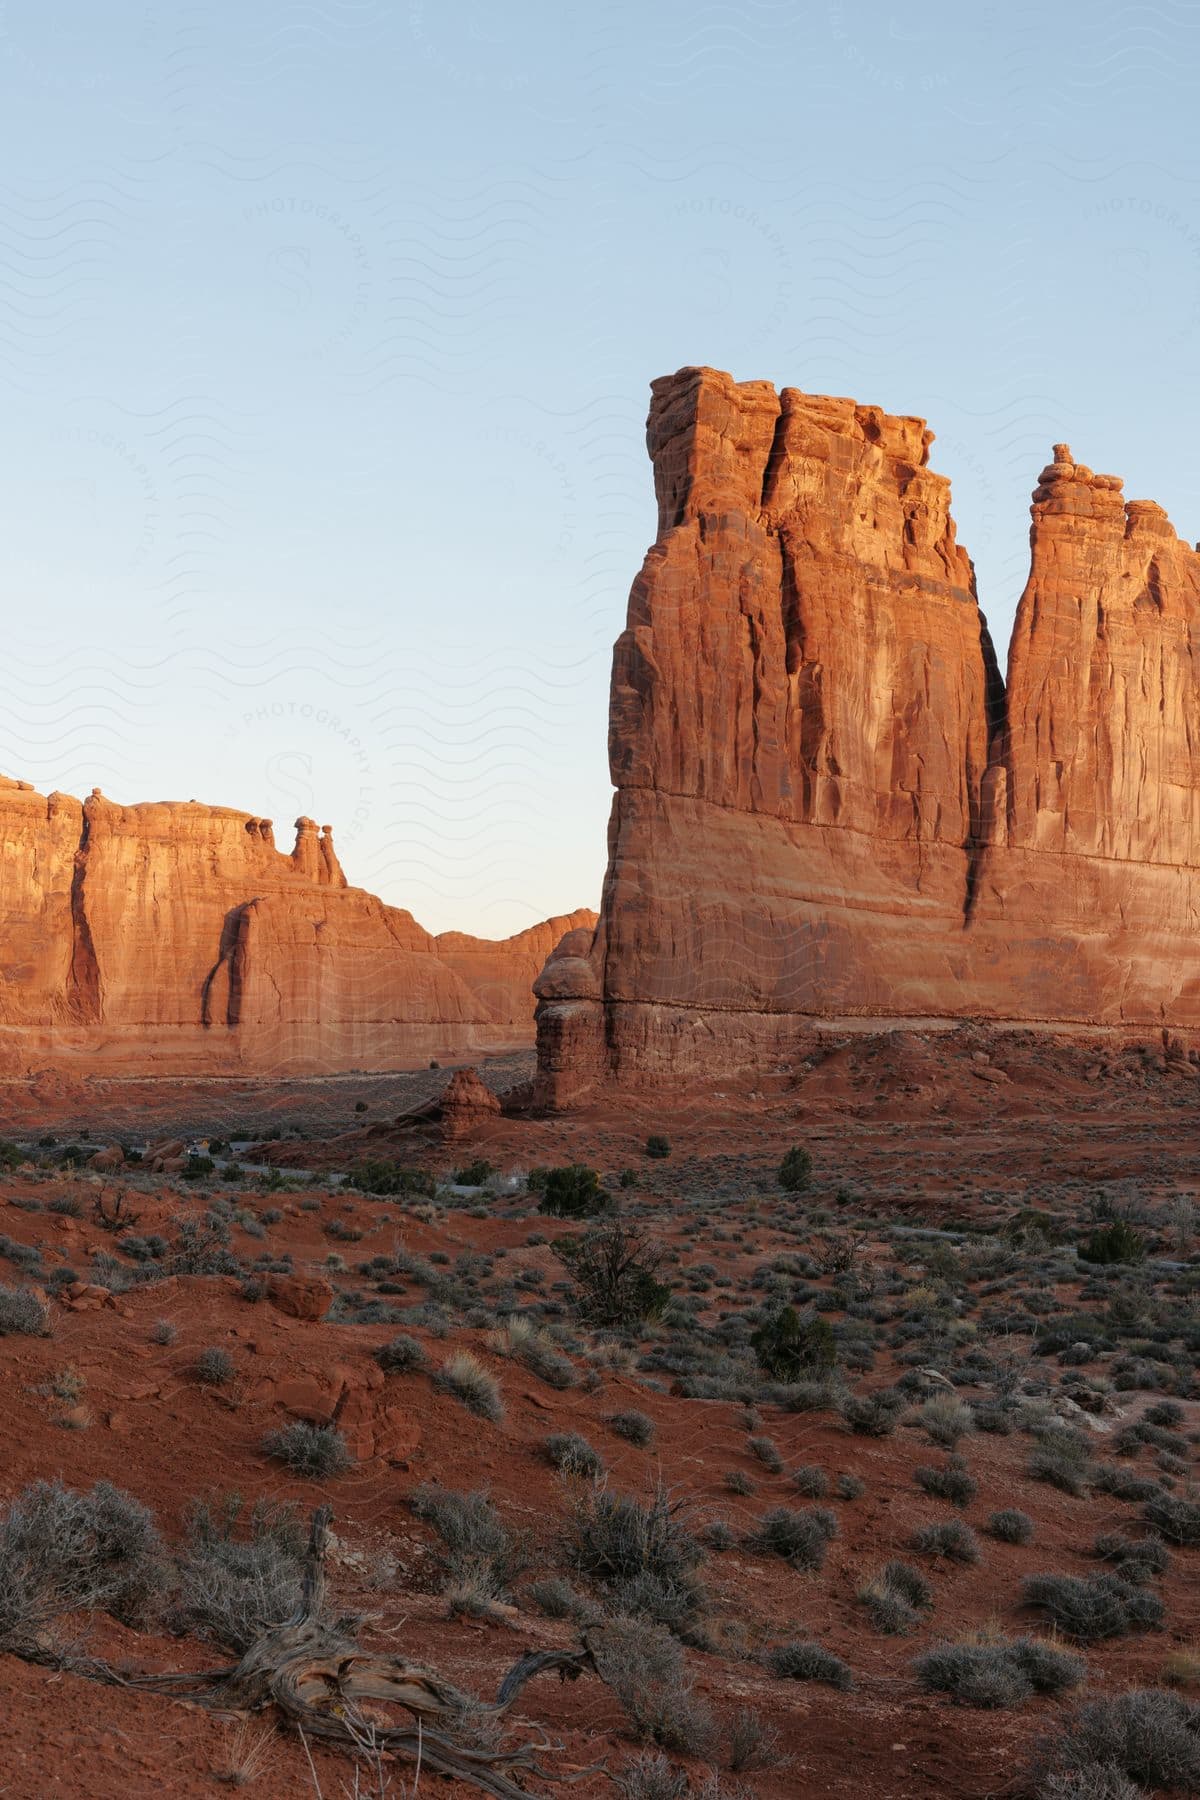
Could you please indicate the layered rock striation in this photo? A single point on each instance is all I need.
(830, 804)
(175, 938)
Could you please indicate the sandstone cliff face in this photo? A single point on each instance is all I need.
(176, 938)
(39, 840)
(828, 803)
(1101, 756)
(1086, 904)
(804, 639)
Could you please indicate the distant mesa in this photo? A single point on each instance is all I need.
(829, 802)
(174, 938)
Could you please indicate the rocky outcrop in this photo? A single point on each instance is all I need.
(467, 1103)
(828, 801)
(1085, 900)
(176, 938)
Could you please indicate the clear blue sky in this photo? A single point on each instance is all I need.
(326, 329)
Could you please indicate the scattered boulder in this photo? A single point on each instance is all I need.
(300, 1296)
(1075, 1414)
(85, 1296)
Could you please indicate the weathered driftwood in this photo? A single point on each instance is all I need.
(331, 1690)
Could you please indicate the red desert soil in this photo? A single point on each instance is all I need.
(904, 1130)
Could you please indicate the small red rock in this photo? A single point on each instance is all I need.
(300, 1296)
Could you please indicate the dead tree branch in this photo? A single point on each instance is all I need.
(329, 1690)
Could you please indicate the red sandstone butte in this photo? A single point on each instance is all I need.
(175, 938)
(830, 804)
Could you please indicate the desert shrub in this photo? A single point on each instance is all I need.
(873, 1415)
(718, 1535)
(214, 1366)
(1050, 1669)
(658, 1146)
(795, 1171)
(1091, 1608)
(401, 1355)
(201, 1247)
(377, 1176)
(1116, 1242)
(1167, 1414)
(1011, 1526)
(953, 1540)
(1029, 1226)
(981, 1675)
(473, 1592)
(482, 1555)
(850, 1487)
(788, 1345)
(945, 1419)
(644, 1552)
(951, 1482)
(1129, 1441)
(163, 1332)
(464, 1376)
(144, 1249)
(811, 1482)
(896, 1599)
(1063, 1458)
(527, 1343)
(1174, 1518)
(314, 1451)
(767, 1452)
(1146, 1737)
(1182, 1669)
(61, 1550)
(571, 1454)
(651, 1777)
(816, 1394)
(615, 1270)
(557, 1599)
(801, 1538)
(26, 1257)
(635, 1427)
(233, 1586)
(806, 1661)
(1123, 1484)
(617, 1536)
(572, 1192)
(22, 1313)
(644, 1667)
(474, 1174)
(754, 1743)
(998, 1674)
(1107, 1783)
(1136, 1559)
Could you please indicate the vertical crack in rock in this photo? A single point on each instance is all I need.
(83, 992)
